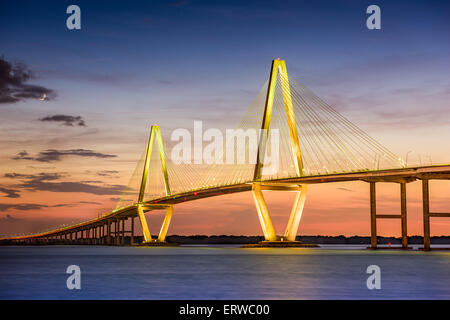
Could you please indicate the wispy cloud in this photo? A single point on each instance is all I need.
(49, 182)
(10, 193)
(22, 206)
(33, 206)
(90, 202)
(107, 173)
(345, 189)
(66, 120)
(9, 218)
(56, 155)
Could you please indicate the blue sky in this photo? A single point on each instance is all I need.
(198, 47)
(205, 60)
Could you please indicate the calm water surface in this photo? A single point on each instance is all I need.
(221, 272)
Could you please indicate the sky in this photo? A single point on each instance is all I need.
(68, 157)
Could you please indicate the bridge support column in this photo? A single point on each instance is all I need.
(426, 207)
(271, 239)
(144, 225)
(108, 231)
(165, 226)
(296, 214)
(116, 232)
(132, 232)
(426, 215)
(403, 215)
(373, 216)
(122, 238)
(263, 213)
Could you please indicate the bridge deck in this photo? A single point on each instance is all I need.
(389, 175)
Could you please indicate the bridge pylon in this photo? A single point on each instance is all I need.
(263, 213)
(141, 207)
(279, 70)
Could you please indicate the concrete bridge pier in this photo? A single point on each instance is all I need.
(426, 207)
(132, 231)
(374, 216)
(116, 232)
(426, 215)
(108, 231)
(271, 239)
(161, 238)
(122, 239)
(91, 236)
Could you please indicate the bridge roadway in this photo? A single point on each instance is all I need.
(404, 175)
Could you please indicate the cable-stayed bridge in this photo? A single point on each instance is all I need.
(313, 144)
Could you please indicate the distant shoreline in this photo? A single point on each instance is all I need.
(224, 239)
(242, 240)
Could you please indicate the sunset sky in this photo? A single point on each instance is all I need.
(67, 158)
